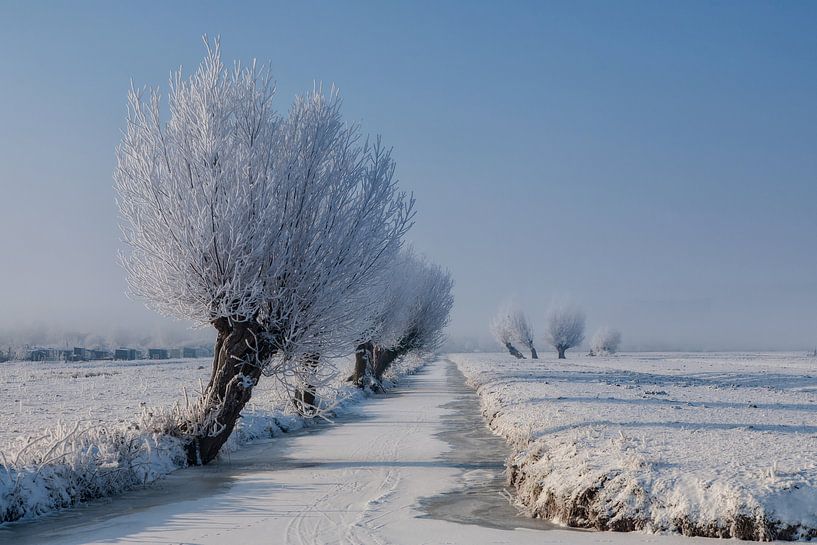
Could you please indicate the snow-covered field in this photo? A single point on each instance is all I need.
(364, 481)
(702, 444)
(36, 395)
(74, 431)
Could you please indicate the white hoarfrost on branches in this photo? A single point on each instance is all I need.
(411, 313)
(232, 210)
(420, 298)
(605, 341)
(270, 227)
(501, 328)
(430, 308)
(521, 330)
(565, 328)
(391, 301)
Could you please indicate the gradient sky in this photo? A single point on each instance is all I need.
(654, 162)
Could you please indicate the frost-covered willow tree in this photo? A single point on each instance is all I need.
(565, 329)
(268, 227)
(605, 342)
(389, 305)
(428, 308)
(521, 331)
(410, 315)
(503, 331)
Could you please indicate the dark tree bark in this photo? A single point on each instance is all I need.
(240, 350)
(305, 397)
(372, 361)
(364, 362)
(561, 350)
(514, 352)
(383, 358)
(533, 354)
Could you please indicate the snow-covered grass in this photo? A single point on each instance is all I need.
(75, 431)
(36, 395)
(701, 444)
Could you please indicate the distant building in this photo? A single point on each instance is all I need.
(175, 353)
(79, 354)
(158, 354)
(127, 354)
(190, 353)
(98, 354)
(43, 354)
(38, 354)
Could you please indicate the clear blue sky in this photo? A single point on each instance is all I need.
(655, 162)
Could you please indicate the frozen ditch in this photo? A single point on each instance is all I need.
(482, 498)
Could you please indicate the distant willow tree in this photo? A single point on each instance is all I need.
(522, 331)
(411, 312)
(565, 329)
(605, 342)
(502, 328)
(428, 308)
(268, 227)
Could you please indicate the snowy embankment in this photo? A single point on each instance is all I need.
(701, 444)
(70, 432)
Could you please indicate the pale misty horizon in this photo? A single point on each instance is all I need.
(655, 165)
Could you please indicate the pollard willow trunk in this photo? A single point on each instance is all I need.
(240, 351)
(371, 362)
(514, 351)
(383, 358)
(364, 361)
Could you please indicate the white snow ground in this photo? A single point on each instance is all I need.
(36, 395)
(74, 431)
(704, 444)
(359, 482)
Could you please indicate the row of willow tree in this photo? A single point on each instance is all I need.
(283, 231)
(565, 330)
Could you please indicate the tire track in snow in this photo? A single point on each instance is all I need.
(314, 524)
(369, 484)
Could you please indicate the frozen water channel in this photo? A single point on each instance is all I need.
(481, 496)
(416, 465)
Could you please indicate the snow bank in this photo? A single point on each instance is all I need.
(53, 467)
(67, 465)
(718, 445)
